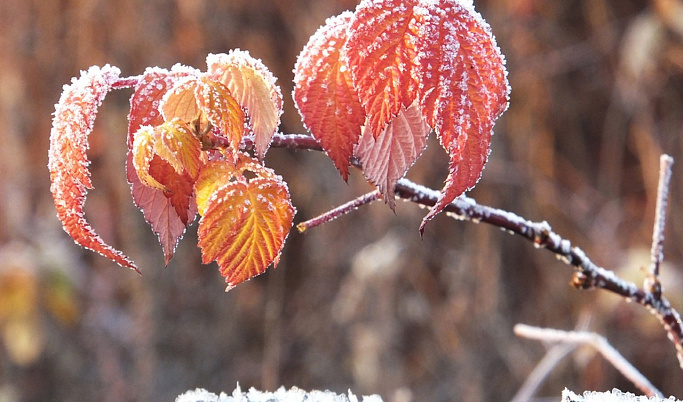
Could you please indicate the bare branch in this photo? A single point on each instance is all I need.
(587, 274)
(340, 210)
(652, 283)
(599, 343)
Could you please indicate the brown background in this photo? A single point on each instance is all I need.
(362, 302)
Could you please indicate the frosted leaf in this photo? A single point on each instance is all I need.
(167, 213)
(464, 89)
(180, 102)
(324, 93)
(243, 238)
(73, 121)
(254, 87)
(221, 109)
(381, 55)
(388, 158)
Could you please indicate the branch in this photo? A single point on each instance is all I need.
(652, 283)
(599, 343)
(587, 274)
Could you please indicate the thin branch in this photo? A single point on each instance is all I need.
(587, 274)
(340, 210)
(599, 343)
(544, 367)
(652, 283)
(551, 359)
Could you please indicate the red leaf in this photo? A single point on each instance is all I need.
(464, 90)
(68, 164)
(324, 93)
(253, 86)
(387, 159)
(382, 58)
(168, 214)
(244, 222)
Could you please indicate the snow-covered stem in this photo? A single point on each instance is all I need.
(587, 274)
(599, 343)
(340, 210)
(652, 283)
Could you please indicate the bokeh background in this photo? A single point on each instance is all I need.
(361, 303)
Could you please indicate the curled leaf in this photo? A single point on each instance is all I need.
(174, 143)
(68, 164)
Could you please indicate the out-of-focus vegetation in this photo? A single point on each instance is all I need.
(361, 302)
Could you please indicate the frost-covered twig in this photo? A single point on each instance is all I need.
(652, 283)
(587, 274)
(599, 343)
(541, 371)
(340, 210)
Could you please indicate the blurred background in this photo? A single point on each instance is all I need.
(361, 303)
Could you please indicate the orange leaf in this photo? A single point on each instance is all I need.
(387, 159)
(222, 110)
(244, 224)
(143, 152)
(217, 173)
(173, 142)
(167, 213)
(180, 101)
(382, 58)
(253, 86)
(324, 93)
(68, 164)
(464, 90)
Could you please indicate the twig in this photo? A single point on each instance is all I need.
(551, 359)
(587, 274)
(541, 371)
(652, 283)
(340, 210)
(599, 343)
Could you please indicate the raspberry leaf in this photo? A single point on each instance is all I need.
(73, 121)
